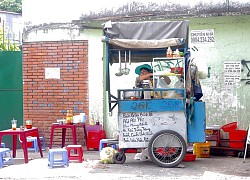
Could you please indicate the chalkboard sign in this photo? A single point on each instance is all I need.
(136, 129)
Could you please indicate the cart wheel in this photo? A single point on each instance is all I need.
(167, 148)
(119, 158)
(240, 154)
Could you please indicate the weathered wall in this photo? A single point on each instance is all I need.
(46, 100)
(224, 103)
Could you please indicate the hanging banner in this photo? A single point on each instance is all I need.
(202, 37)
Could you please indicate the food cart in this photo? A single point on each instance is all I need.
(171, 117)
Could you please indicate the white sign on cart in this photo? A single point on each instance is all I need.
(136, 129)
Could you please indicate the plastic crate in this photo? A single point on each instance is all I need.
(213, 135)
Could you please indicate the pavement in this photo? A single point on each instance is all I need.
(215, 167)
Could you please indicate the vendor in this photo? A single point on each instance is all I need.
(145, 72)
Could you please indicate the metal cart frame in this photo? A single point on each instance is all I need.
(163, 125)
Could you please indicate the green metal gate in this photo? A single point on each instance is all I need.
(11, 90)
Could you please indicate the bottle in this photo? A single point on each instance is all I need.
(68, 117)
(92, 121)
(146, 85)
(71, 116)
(177, 53)
(169, 53)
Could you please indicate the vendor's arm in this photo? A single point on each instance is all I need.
(167, 79)
(145, 76)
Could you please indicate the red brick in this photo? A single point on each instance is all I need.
(44, 99)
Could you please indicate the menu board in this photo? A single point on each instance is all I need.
(136, 129)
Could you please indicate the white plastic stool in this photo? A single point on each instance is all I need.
(113, 143)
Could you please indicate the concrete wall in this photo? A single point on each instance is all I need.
(48, 99)
(224, 103)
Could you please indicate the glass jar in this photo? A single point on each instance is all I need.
(28, 124)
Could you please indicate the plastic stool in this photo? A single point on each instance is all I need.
(52, 161)
(78, 156)
(3, 156)
(35, 143)
(43, 143)
(112, 142)
(3, 145)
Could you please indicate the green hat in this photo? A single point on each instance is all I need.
(144, 66)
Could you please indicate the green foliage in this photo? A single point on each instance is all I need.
(5, 44)
(11, 5)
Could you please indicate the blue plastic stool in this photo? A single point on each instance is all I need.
(62, 161)
(3, 145)
(112, 142)
(43, 143)
(4, 158)
(35, 143)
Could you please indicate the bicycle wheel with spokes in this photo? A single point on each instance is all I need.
(167, 148)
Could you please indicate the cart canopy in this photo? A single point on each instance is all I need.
(145, 40)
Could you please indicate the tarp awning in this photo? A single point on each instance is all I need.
(146, 44)
(145, 39)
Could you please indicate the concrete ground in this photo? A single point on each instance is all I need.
(215, 167)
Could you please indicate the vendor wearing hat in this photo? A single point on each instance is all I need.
(145, 72)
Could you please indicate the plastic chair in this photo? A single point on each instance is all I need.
(53, 161)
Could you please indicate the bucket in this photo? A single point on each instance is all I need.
(202, 150)
(189, 157)
(237, 138)
(229, 127)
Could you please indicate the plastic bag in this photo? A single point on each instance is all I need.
(107, 155)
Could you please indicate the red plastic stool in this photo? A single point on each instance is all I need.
(75, 157)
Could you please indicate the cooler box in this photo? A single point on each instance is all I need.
(94, 137)
(202, 150)
(237, 135)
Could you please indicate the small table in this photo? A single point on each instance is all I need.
(64, 127)
(23, 136)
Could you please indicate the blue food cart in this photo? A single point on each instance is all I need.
(171, 116)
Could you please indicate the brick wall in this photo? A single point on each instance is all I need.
(46, 100)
